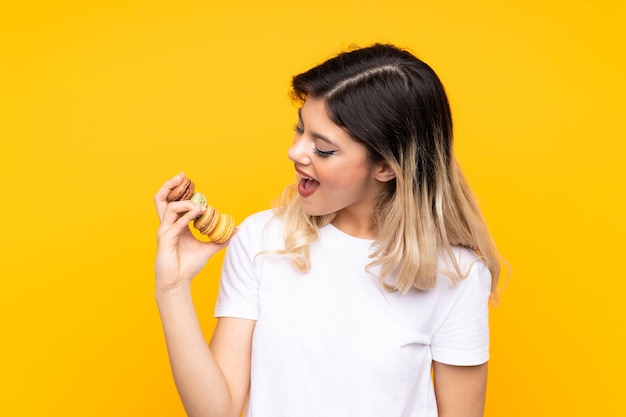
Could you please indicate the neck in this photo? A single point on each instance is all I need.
(362, 227)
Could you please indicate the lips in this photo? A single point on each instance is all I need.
(306, 185)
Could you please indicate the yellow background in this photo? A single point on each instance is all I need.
(101, 101)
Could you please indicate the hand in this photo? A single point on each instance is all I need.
(180, 256)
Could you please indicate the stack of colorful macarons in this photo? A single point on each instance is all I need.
(217, 226)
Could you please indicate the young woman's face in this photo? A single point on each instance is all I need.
(336, 174)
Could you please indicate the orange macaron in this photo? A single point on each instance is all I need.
(218, 227)
(206, 222)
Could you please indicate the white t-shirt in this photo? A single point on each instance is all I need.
(331, 342)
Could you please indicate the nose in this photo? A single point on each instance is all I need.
(300, 152)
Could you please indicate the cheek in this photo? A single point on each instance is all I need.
(353, 178)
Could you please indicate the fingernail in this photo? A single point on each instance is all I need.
(180, 175)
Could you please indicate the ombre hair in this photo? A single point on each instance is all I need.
(395, 105)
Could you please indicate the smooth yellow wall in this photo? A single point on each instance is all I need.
(101, 101)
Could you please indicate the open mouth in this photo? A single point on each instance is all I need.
(307, 186)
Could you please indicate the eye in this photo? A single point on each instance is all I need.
(298, 129)
(323, 154)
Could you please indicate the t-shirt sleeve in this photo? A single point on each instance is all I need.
(239, 286)
(463, 337)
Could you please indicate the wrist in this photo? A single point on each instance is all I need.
(179, 289)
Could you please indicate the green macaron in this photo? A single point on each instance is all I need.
(199, 199)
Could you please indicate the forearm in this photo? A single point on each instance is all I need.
(200, 382)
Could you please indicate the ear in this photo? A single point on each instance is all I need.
(383, 172)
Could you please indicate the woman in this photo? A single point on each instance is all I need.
(374, 271)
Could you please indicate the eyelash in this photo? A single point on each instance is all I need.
(323, 154)
(318, 152)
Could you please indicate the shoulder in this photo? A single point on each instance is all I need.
(466, 259)
(260, 217)
(259, 227)
(473, 270)
(260, 220)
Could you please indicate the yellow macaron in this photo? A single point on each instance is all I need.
(223, 230)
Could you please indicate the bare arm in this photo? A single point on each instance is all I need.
(460, 390)
(211, 381)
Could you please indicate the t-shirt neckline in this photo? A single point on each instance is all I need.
(340, 234)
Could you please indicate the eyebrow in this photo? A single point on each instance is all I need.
(315, 134)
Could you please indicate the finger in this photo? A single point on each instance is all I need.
(184, 210)
(160, 198)
(171, 231)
